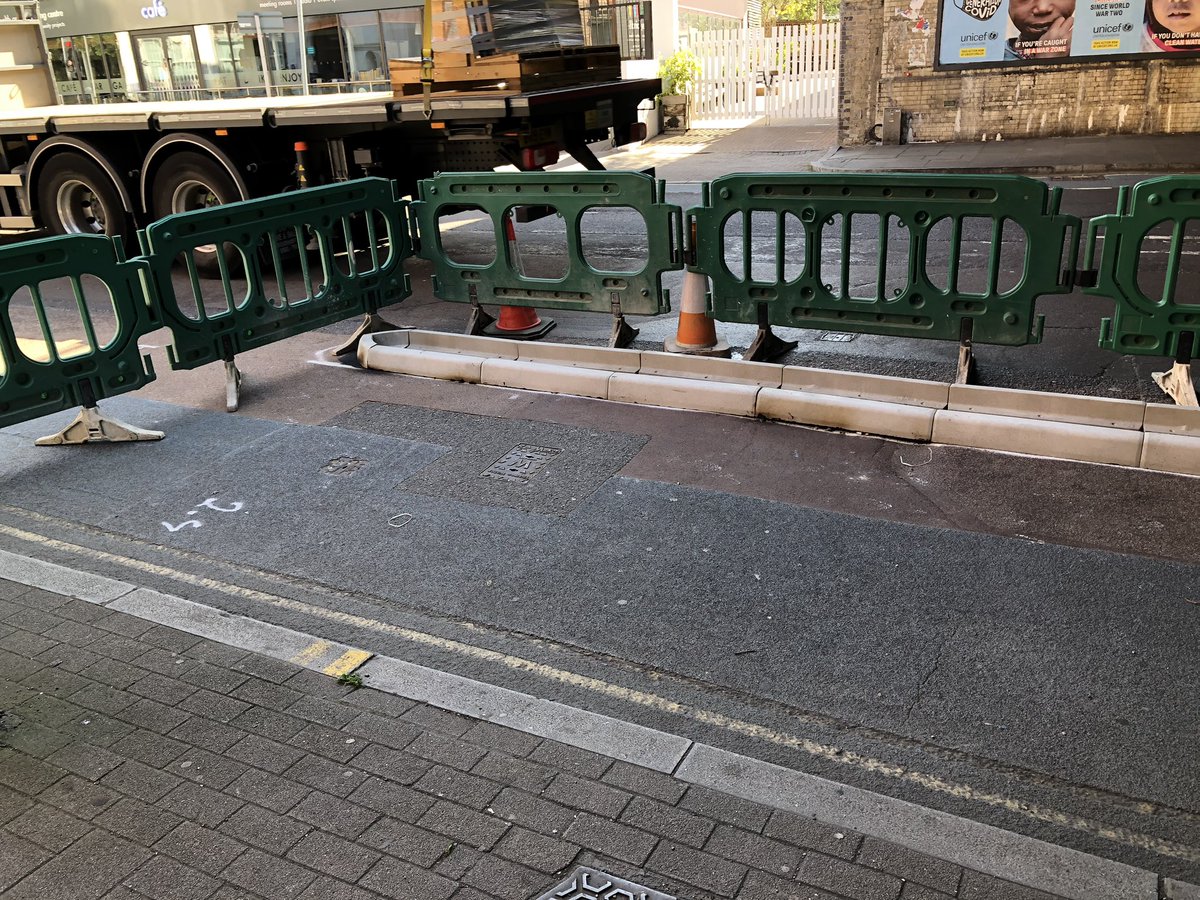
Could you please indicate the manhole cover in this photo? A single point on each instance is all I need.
(839, 337)
(592, 884)
(520, 463)
(343, 465)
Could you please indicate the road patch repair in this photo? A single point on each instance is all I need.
(958, 842)
(1118, 432)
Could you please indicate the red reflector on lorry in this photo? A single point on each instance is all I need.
(539, 157)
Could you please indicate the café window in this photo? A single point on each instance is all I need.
(324, 49)
(365, 57)
(230, 60)
(87, 69)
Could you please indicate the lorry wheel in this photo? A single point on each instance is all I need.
(76, 196)
(187, 182)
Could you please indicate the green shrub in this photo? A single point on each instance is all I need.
(678, 71)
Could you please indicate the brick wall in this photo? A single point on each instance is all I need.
(887, 60)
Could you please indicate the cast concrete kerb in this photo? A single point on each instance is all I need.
(1057, 426)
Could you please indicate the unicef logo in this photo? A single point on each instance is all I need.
(992, 35)
(156, 10)
(1128, 26)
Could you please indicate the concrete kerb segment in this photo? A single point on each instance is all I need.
(1059, 426)
(983, 848)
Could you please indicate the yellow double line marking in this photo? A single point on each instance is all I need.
(861, 762)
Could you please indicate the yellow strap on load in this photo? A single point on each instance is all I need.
(427, 58)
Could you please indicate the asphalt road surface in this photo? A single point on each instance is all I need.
(1013, 640)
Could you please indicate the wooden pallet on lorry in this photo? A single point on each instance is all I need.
(531, 70)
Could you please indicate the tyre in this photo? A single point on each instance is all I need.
(187, 182)
(76, 196)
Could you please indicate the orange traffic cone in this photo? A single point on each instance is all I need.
(697, 333)
(520, 323)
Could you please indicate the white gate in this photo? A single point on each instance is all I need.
(787, 75)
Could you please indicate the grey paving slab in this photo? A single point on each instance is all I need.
(1178, 890)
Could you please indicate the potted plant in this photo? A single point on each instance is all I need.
(677, 72)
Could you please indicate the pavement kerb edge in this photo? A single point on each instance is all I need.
(974, 845)
(60, 580)
(983, 848)
(995, 426)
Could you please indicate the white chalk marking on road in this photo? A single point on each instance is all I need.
(331, 364)
(862, 762)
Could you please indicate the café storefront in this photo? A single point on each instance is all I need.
(105, 51)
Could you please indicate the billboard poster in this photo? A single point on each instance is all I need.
(1024, 32)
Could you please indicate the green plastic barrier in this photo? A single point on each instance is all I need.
(79, 364)
(1154, 313)
(348, 241)
(570, 194)
(924, 279)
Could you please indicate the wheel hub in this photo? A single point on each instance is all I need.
(80, 209)
(193, 195)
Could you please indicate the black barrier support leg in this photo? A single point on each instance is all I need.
(91, 426)
(480, 317)
(966, 353)
(1177, 382)
(622, 332)
(372, 323)
(767, 345)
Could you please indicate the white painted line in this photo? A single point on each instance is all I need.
(983, 848)
(61, 580)
(601, 734)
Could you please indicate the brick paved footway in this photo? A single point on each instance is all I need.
(137, 761)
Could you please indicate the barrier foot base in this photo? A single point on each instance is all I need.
(480, 320)
(233, 386)
(92, 426)
(965, 371)
(532, 333)
(1177, 383)
(768, 346)
(372, 323)
(622, 333)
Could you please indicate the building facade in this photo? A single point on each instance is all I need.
(970, 70)
(113, 50)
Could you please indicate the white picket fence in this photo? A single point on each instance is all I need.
(787, 75)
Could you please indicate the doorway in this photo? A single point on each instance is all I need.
(169, 66)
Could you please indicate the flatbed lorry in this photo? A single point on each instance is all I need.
(111, 168)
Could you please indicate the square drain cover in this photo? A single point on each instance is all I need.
(343, 465)
(592, 884)
(522, 461)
